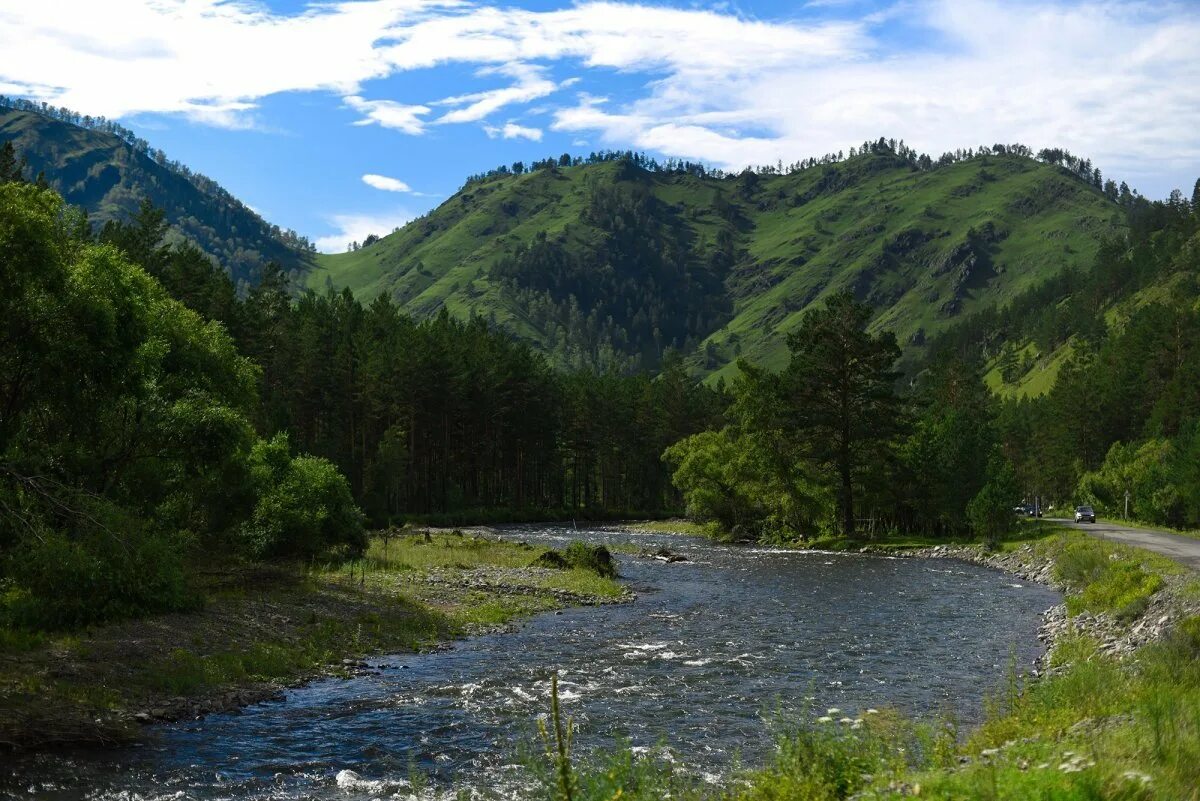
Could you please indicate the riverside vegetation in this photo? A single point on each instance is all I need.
(262, 627)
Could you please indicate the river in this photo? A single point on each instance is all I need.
(712, 651)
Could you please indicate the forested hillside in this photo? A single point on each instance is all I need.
(106, 170)
(613, 259)
(831, 443)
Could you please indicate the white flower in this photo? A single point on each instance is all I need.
(824, 719)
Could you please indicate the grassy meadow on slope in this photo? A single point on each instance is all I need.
(925, 247)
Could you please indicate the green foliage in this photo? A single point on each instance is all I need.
(303, 507)
(826, 427)
(56, 582)
(595, 558)
(946, 455)
(1144, 471)
(444, 417)
(838, 402)
(125, 421)
(991, 510)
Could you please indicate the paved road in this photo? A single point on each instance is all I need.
(1185, 550)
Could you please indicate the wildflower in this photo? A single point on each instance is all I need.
(824, 719)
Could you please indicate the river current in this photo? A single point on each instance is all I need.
(713, 653)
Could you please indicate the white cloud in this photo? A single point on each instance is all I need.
(510, 130)
(357, 227)
(530, 85)
(1116, 81)
(389, 114)
(385, 183)
(1087, 77)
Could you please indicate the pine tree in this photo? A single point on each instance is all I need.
(839, 393)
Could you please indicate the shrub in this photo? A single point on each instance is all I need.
(595, 558)
(303, 508)
(56, 582)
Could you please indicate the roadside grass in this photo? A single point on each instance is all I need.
(1104, 576)
(1095, 727)
(1192, 533)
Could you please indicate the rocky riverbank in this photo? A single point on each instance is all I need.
(1116, 637)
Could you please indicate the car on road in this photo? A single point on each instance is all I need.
(1085, 514)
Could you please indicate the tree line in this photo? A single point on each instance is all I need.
(1079, 167)
(151, 420)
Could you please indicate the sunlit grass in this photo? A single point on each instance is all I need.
(675, 526)
(446, 550)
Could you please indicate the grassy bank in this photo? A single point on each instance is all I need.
(1102, 722)
(262, 627)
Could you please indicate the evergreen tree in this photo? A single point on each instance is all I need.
(839, 398)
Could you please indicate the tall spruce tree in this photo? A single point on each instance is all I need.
(839, 393)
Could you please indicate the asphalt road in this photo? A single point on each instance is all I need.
(1184, 550)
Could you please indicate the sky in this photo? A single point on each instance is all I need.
(342, 118)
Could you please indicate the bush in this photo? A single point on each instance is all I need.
(304, 507)
(55, 582)
(595, 558)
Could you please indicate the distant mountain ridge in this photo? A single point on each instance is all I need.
(105, 169)
(616, 259)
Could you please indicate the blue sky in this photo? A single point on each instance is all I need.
(349, 117)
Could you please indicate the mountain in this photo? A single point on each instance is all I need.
(611, 261)
(104, 169)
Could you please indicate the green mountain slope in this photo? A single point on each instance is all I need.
(106, 175)
(727, 266)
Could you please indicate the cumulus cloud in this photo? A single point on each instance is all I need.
(510, 130)
(1117, 81)
(385, 183)
(357, 227)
